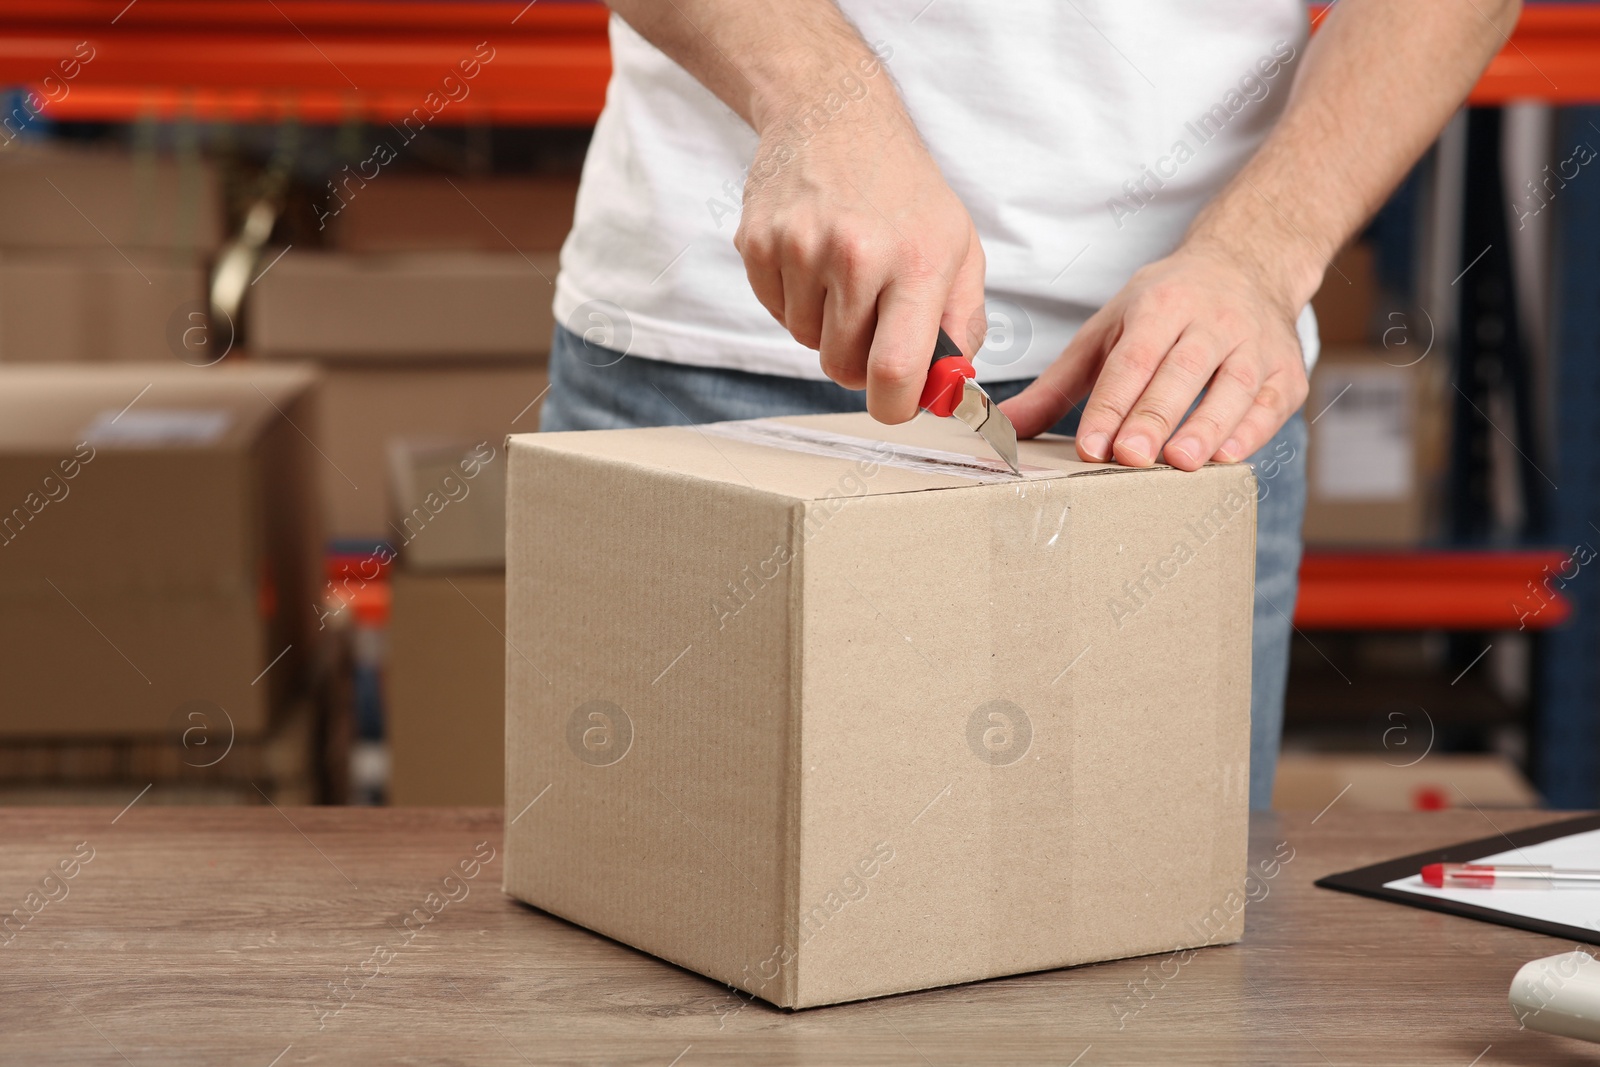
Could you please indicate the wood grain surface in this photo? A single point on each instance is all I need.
(278, 937)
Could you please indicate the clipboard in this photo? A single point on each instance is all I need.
(1373, 881)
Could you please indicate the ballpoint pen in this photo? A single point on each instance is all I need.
(1506, 876)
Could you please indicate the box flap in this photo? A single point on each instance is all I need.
(812, 457)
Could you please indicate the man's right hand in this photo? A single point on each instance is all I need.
(850, 236)
(854, 242)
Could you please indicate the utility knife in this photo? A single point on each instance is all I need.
(952, 391)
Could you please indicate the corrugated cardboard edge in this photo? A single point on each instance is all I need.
(789, 991)
(1222, 860)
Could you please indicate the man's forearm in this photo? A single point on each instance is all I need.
(1377, 84)
(764, 60)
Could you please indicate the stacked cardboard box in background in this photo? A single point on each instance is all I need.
(1310, 781)
(404, 306)
(1377, 447)
(408, 213)
(446, 676)
(101, 252)
(364, 408)
(449, 502)
(159, 543)
(92, 305)
(200, 761)
(430, 318)
(1376, 412)
(446, 688)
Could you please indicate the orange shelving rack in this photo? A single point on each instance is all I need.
(1428, 590)
(330, 60)
(317, 60)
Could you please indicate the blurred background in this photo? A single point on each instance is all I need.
(275, 284)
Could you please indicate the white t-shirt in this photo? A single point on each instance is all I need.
(1082, 136)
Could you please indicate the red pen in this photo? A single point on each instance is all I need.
(1506, 876)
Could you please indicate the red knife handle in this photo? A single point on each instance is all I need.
(946, 375)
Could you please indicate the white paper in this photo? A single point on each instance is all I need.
(158, 427)
(1363, 434)
(1570, 907)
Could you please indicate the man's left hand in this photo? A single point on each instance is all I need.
(1194, 321)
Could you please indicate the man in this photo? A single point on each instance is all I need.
(1147, 193)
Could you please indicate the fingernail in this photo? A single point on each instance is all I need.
(1095, 445)
(1137, 447)
(1230, 450)
(1188, 447)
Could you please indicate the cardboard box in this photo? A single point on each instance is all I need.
(449, 503)
(414, 305)
(445, 684)
(824, 718)
(56, 197)
(1399, 782)
(117, 795)
(1366, 480)
(94, 305)
(158, 545)
(201, 749)
(408, 213)
(1348, 299)
(361, 409)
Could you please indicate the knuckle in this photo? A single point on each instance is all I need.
(1242, 373)
(1207, 426)
(1100, 412)
(756, 246)
(914, 269)
(888, 374)
(1274, 399)
(774, 308)
(1112, 398)
(1193, 360)
(769, 292)
(1154, 416)
(1158, 300)
(844, 371)
(1299, 389)
(854, 253)
(801, 249)
(765, 251)
(1142, 356)
(1230, 323)
(843, 353)
(1144, 305)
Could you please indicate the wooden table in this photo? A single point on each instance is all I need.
(217, 937)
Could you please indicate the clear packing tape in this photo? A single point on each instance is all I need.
(815, 442)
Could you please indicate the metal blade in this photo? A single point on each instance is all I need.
(1002, 437)
(981, 413)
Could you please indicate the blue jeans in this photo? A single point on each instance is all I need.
(593, 388)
